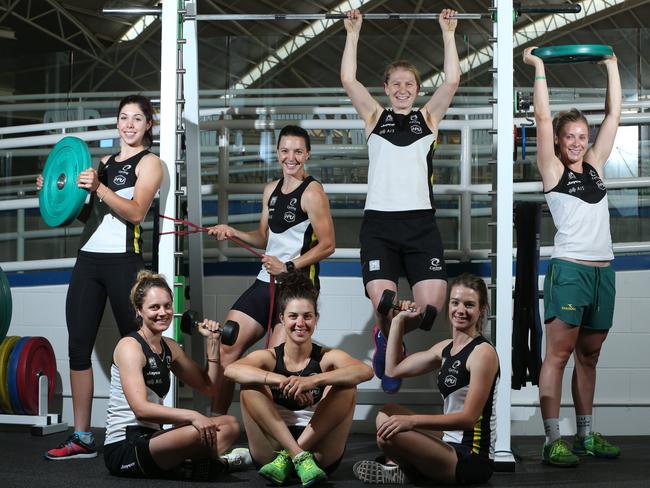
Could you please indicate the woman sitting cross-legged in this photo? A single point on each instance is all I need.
(298, 398)
(457, 446)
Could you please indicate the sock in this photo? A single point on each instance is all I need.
(298, 455)
(583, 423)
(86, 437)
(552, 430)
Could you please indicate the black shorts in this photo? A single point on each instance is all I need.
(131, 457)
(296, 431)
(396, 241)
(255, 303)
(471, 468)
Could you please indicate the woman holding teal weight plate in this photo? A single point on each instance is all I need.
(110, 256)
(579, 289)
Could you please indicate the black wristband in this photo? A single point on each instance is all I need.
(290, 266)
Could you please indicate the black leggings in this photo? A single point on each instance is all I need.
(95, 277)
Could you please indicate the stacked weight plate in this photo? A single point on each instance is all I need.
(23, 360)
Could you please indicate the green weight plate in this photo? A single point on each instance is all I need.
(573, 53)
(5, 352)
(36, 358)
(61, 199)
(12, 383)
(5, 305)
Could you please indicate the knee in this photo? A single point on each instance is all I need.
(228, 426)
(558, 356)
(587, 359)
(230, 354)
(79, 359)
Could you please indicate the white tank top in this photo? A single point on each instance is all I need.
(400, 163)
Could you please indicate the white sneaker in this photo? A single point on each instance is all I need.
(374, 472)
(238, 459)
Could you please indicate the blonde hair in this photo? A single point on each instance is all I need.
(401, 64)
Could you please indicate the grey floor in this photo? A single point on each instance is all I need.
(22, 466)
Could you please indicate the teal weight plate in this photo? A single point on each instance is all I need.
(60, 199)
(573, 53)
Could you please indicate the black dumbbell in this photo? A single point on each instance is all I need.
(229, 331)
(387, 302)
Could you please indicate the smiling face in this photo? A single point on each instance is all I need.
(572, 142)
(292, 155)
(132, 124)
(299, 319)
(157, 310)
(401, 88)
(464, 310)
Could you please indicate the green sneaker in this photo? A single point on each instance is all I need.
(557, 453)
(308, 470)
(279, 470)
(595, 445)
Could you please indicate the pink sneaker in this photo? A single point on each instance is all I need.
(72, 448)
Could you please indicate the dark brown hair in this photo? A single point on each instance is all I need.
(297, 131)
(296, 286)
(147, 109)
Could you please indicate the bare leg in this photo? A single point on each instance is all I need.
(428, 292)
(170, 448)
(81, 383)
(418, 450)
(265, 428)
(374, 289)
(278, 336)
(328, 430)
(250, 332)
(560, 343)
(583, 382)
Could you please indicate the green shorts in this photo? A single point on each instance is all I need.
(579, 295)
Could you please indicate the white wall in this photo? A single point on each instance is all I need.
(622, 403)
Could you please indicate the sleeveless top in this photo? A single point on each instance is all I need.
(290, 232)
(105, 231)
(156, 376)
(400, 163)
(580, 211)
(290, 411)
(453, 384)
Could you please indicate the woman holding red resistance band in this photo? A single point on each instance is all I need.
(297, 231)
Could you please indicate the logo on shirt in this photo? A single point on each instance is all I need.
(389, 118)
(414, 119)
(569, 306)
(292, 204)
(272, 202)
(572, 176)
(152, 363)
(374, 265)
(450, 381)
(416, 129)
(125, 169)
(119, 180)
(596, 178)
(455, 366)
(435, 264)
(289, 217)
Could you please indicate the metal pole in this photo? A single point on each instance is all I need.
(335, 16)
(168, 87)
(503, 118)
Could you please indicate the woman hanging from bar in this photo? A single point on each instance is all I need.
(457, 446)
(109, 258)
(579, 289)
(296, 231)
(298, 398)
(399, 230)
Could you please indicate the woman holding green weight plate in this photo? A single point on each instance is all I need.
(579, 289)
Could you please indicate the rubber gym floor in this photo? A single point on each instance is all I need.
(22, 466)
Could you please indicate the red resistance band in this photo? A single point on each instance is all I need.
(195, 229)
